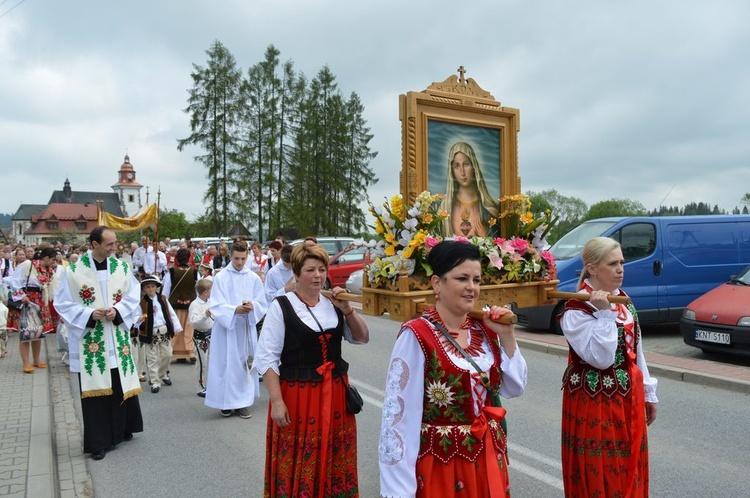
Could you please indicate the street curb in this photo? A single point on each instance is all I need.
(681, 374)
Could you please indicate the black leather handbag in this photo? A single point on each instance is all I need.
(354, 401)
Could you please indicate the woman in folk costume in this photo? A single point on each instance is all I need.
(466, 196)
(97, 297)
(609, 398)
(179, 288)
(442, 431)
(237, 304)
(311, 438)
(35, 281)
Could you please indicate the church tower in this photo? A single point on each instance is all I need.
(127, 189)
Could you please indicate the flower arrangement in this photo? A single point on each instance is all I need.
(405, 237)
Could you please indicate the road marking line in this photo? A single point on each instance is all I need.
(370, 388)
(516, 448)
(530, 471)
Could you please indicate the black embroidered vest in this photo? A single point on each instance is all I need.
(146, 329)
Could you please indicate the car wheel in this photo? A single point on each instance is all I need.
(327, 285)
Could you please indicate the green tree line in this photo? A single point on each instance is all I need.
(278, 150)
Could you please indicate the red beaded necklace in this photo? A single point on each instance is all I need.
(474, 335)
(305, 302)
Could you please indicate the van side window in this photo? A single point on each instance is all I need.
(704, 244)
(637, 240)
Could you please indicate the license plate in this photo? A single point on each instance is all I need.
(707, 336)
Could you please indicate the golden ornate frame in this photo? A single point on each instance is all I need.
(462, 101)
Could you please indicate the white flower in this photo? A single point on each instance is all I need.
(439, 394)
(413, 212)
(608, 381)
(411, 223)
(444, 430)
(379, 210)
(575, 379)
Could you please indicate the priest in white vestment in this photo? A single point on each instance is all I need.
(237, 303)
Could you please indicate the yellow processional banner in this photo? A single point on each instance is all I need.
(147, 217)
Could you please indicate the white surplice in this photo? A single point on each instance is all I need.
(231, 384)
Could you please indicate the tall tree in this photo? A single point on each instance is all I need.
(358, 156)
(214, 108)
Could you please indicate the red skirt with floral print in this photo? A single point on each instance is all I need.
(316, 455)
(605, 442)
(460, 477)
(50, 318)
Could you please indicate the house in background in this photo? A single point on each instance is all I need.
(43, 221)
(61, 219)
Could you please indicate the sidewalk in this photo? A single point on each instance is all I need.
(41, 451)
(39, 421)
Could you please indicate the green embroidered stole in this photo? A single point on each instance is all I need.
(83, 281)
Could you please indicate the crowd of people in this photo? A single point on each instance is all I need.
(244, 315)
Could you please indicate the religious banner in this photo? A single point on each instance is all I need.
(146, 217)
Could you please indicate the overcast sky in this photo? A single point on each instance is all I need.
(642, 100)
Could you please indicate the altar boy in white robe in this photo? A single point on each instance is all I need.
(237, 303)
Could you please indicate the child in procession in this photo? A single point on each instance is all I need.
(202, 322)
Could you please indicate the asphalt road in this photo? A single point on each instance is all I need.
(698, 444)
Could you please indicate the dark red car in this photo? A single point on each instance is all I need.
(344, 263)
(719, 320)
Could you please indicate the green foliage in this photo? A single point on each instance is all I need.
(615, 207)
(173, 224)
(278, 151)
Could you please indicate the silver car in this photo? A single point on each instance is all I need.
(354, 283)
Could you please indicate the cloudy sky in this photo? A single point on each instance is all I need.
(641, 100)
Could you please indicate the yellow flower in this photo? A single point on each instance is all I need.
(407, 253)
(418, 239)
(397, 207)
(444, 214)
(427, 218)
(390, 238)
(379, 228)
(527, 218)
(390, 250)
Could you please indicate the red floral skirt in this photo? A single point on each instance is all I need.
(605, 443)
(459, 477)
(50, 318)
(315, 455)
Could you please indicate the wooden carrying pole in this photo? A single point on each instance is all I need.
(585, 297)
(507, 318)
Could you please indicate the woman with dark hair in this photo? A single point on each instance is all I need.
(299, 356)
(35, 282)
(609, 398)
(442, 428)
(179, 289)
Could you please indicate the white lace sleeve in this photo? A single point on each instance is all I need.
(515, 374)
(649, 383)
(402, 418)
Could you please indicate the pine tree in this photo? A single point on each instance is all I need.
(213, 105)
